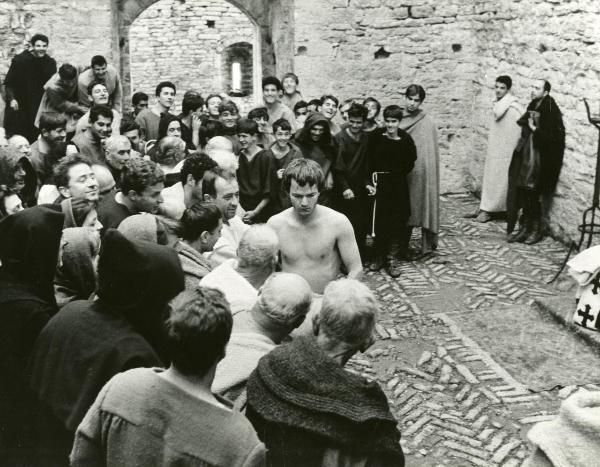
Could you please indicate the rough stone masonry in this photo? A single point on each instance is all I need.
(356, 48)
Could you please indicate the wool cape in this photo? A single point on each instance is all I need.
(303, 405)
(549, 140)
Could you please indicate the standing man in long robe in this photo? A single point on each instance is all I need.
(424, 179)
(24, 83)
(503, 137)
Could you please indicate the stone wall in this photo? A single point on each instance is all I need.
(185, 42)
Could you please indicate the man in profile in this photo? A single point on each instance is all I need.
(315, 240)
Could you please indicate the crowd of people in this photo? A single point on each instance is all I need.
(185, 288)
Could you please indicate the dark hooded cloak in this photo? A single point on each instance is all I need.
(88, 342)
(29, 244)
(10, 160)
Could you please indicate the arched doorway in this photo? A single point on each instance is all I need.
(202, 45)
(272, 46)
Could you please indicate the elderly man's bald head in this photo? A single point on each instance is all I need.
(114, 142)
(105, 179)
(284, 299)
(218, 143)
(21, 143)
(258, 248)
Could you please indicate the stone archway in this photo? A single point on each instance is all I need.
(274, 37)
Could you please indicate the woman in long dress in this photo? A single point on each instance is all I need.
(424, 180)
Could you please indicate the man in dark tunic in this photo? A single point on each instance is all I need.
(350, 171)
(392, 155)
(24, 83)
(253, 173)
(535, 164)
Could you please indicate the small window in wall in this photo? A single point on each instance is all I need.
(237, 69)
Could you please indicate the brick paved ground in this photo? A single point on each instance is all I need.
(467, 365)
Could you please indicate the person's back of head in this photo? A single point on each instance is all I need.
(67, 72)
(283, 303)
(139, 174)
(194, 166)
(142, 226)
(258, 248)
(106, 181)
(197, 331)
(169, 151)
(347, 317)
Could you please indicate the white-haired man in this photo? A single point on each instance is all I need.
(282, 305)
(240, 279)
(307, 409)
(117, 151)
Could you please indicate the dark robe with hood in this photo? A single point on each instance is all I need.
(549, 141)
(29, 244)
(309, 411)
(88, 342)
(323, 153)
(10, 160)
(24, 82)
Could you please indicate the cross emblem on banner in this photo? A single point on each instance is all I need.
(586, 315)
(596, 284)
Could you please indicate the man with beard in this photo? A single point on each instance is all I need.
(315, 241)
(104, 73)
(535, 165)
(141, 184)
(316, 143)
(24, 84)
(90, 143)
(52, 132)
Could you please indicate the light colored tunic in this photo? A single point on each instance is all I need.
(503, 137)
(424, 179)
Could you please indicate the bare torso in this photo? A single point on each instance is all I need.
(309, 248)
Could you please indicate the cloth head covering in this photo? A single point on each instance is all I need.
(140, 227)
(303, 136)
(10, 158)
(76, 277)
(29, 245)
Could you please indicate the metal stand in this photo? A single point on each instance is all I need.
(589, 226)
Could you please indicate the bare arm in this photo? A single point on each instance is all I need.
(348, 249)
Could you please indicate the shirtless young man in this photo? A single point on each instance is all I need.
(314, 240)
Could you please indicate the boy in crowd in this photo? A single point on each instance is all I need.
(264, 137)
(314, 105)
(301, 112)
(100, 72)
(391, 156)
(131, 129)
(52, 133)
(329, 107)
(271, 87)
(139, 102)
(97, 93)
(149, 119)
(252, 173)
(282, 154)
(291, 95)
(90, 142)
(229, 115)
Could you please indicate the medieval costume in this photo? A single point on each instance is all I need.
(60, 97)
(17, 176)
(194, 265)
(424, 179)
(534, 168)
(322, 152)
(503, 137)
(308, 410)
(25, 82)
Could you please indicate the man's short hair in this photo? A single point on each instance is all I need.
(315, 102)
(228, 106)
(139, 97)
(139, 174)
(305, 172)
(198, 218)
(191, 103)
(258, 247)
(291, 75)
(67, 72)
(547, 86)
(375, 101)
(100, 110)
(506, 80)
(39, 37)
(61, 170)
(282, 124)
(392, 111)
(357, 111)
(170, 150)
(330, 98)
(348, 312)
(164, 84)
(259, 112)
(267, 80)
(129, 124)
(281, 311)
(210, 96)
(98, 60)
(300, 105)
(198, 330)
(196, 165)
(416, 90)
(91, 86)
(52, 120)
(210, 178)
(247, 126)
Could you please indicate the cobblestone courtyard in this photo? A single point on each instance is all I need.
(468, 365)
